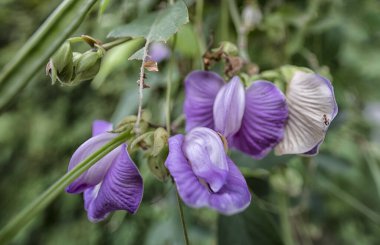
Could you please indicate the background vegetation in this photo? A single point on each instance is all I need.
(333, 198)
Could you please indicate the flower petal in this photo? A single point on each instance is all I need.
(96, 173)
(264, 120)
(192, 192)
(201, 88)
(100, 126)
(121, 189)
(228, 107)
(205, 152)
(233, 197)
(312, 107)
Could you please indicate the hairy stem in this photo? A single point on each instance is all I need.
(141, 87)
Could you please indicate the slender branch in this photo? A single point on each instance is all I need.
(240, 29)
(169, 81)
(182, 217)
(141, 87)
(42, 201)
(284, 219)
(108, 46)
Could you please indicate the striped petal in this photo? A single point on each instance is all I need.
(264, 120)
(312, 107)
(121, 189)
(201, 88)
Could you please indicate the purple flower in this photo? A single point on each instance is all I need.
(113, 183)
(252, 119)
(205, 176)
(312, 107)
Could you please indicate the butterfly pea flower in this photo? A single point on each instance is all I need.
(312, 107)
(204, 175)
(113, 183)
(252, 119)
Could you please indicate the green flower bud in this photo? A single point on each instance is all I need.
(160, 140)
(87, 65)
(60, 66)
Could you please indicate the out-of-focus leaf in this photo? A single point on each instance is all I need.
(253, 226)
(102, 7)
(44, 42)
(158, 26)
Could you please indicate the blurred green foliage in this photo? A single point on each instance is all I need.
(333, 198)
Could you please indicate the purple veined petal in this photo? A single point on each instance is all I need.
(158, 52)
(313, 151)
(201, 88)
(205, 152)
(192, 192)
(121, 189)
(100, 126)
(228, 107)
(312, 107)
(264, 120)
(96, 173)
(233, 197)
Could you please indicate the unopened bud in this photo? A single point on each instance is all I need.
(60, 66)
(251, 16)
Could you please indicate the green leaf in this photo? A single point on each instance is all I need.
(44, 42)
(154, 27)
(102, 7)
(253, 226)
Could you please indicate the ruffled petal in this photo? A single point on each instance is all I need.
(228, 107)
(192, 192)
(233, 197)
(312, 107)
(264, 120)
(201, 88)
(121, 189)
(205, 152)
(96, 173)
(100, 126)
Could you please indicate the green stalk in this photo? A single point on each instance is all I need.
(286, 228)
(31, 58)
(42, 201)
(182, 217)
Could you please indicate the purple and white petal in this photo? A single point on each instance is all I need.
(228, 107)
(205, 152)
(100, 126)
(264, 120)
(96, 173)
(201, 88)
(190, 189)
(234, 196)
(121, 189)
(312, 106)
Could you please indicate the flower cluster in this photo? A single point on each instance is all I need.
(254, 119)
(259, 118)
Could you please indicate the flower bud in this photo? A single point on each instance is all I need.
(87, 65)
(60, 66)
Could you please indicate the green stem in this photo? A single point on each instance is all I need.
(349, 199)
(182, 217)
(169, 86)
(117, 42)
(284, 219)
(42, 201)
(241, 31)
(199, 29)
